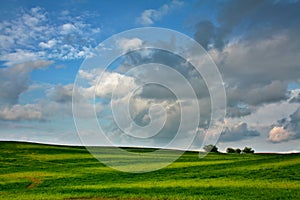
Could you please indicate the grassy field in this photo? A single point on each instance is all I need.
(34, 171)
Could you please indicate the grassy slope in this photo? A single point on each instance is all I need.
(33, 171)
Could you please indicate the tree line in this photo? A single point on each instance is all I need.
(214, 148)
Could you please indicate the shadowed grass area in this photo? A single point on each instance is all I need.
(36, 171)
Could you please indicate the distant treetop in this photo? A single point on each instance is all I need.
(211, 148)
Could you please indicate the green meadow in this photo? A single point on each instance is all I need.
(36, 171)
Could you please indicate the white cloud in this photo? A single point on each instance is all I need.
(57, 104)
(23, 29)
(280, 134)
(30, 66)
(88, 76)
(6, 41)
(36, 34)
(67, 28)
(20, 56)
(21, 112)
(48, 44)
(148, 17)
(110, 83)
(129, 44)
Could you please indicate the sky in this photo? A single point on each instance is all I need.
(45, 45)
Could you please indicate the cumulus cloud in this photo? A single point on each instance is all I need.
(114, 83)
(129, 44)
(254, 79)
(67, 28)
(126, 78)
(20, 56)
(280, 134)
(159, 92)
(286, 129)
(148, 17)
(238, 132)
(148, 104)
(255, 48)
(157, 120)
(111, 83)
(260, 62)
(55, 105)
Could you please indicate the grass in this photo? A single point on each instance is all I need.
(35, 171)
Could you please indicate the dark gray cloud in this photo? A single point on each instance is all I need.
(205, 31)
(255, 95)
(273, 92)
(61, 94)
(230, 17)
(15, 80)
(247, 18)
(259, 73)
(236, 111)
(256, 45)
(169, 59)
(238, 132)
(155, 92)
(294, 123)
(244, 101)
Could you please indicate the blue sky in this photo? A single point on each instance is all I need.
(255, 45)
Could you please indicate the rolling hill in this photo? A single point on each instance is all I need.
(38, 171)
